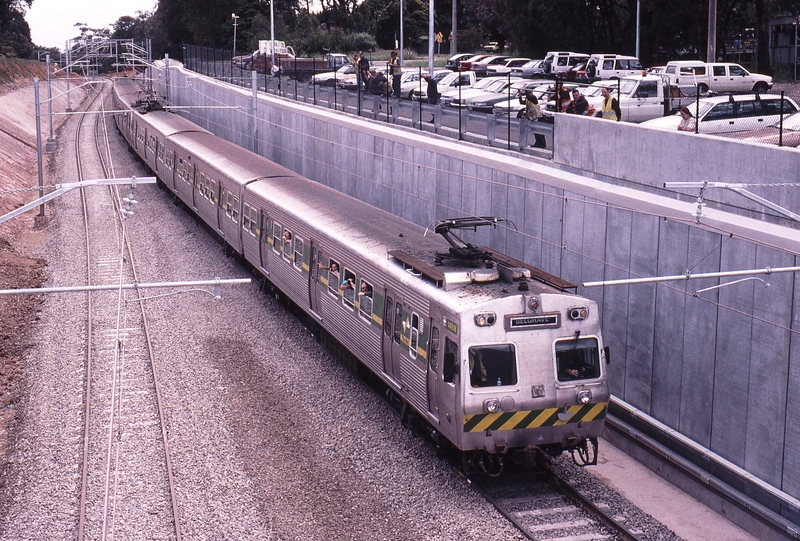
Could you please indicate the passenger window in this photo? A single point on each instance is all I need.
(450, 366)
(286, 242)
(387, 317)
(365, 300)
(608, 64)
(749, 109)
(491, 366)
(720, 111)
(398, 322)
(635, 65)
(719, 71)
(276, 236)
(413, 336)
(577, 359)
(298, 252)
(333, 277)
(433, 350)
(737, 71)
(348, 288)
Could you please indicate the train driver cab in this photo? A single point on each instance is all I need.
(577, 359)
(492, 365)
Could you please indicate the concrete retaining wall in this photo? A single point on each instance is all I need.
(719, 367)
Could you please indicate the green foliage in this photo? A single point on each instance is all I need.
(15, 34)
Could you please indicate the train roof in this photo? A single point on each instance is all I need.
(381, 236)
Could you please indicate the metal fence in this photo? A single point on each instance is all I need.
(766, 118)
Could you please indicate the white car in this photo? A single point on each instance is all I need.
(410, 81)
(728, 114)
(329, 78)
(452, 96)
(505, 67)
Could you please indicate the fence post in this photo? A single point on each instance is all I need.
(780, 127)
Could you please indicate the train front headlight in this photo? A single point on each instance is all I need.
(485, 320)
(578, 313)
(491, 405)
(584, 397)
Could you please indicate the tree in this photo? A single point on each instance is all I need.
(15, 34)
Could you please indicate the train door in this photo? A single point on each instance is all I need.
(313, 277)
(393, 328)
(443, 367)
(263, 244)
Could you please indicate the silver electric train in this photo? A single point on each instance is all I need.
(484, 353)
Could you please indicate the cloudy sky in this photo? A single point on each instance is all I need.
(52, 22)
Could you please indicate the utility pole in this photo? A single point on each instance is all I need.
(453, 32)
(711, 52)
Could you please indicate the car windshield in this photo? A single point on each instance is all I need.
(626, 86)
(790, 123)
(496, 86)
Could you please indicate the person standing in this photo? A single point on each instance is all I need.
(363, 65)
(433, 92)
(610, 109)
(394, 72)
(533, 112)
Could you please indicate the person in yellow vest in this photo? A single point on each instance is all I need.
(395, 71)
(610, 109)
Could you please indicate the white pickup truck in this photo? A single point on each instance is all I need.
(641, 97)
(717, 76)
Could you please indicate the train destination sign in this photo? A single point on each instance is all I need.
(529, 322)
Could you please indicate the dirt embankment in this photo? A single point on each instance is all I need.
(18, 183)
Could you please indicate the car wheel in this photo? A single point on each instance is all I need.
(702, 88)
(760, 87)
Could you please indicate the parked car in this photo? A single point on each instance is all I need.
(541, 89)
(410, 81)
(734, 113)
(556, 62)
(716, 76)
(612, 66)
(459, 95)
(481, 66)
(450, 82)
(485, 103)
(505, 67)
(466, 65)
(492, 47)
(452, 62)
(771, 135)
(329, 78)
(529, 70)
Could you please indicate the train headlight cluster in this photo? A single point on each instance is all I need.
(491, 406)
(485, 320)
(584, 397)
(578, 313)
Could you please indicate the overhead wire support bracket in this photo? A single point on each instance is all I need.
(737, 188)
(60, 189)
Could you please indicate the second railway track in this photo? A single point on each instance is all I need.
(126, 481)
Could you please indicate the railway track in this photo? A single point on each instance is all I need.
(544, 507)
(127, 488)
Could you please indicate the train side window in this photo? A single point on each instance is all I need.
(333, 277)
(348, 287)
(433, 350)
(160, 152)
(170, 163)
(450, 364)
(264, 228)
(298, 252)
(276, 236)
(387, 317)
(249, 219)
(398, 322)
(286, 242)
(413, 338)
(365, 300)
(577, 359)
(492, 365)
(232, 206)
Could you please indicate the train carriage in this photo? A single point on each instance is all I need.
(485, 352)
